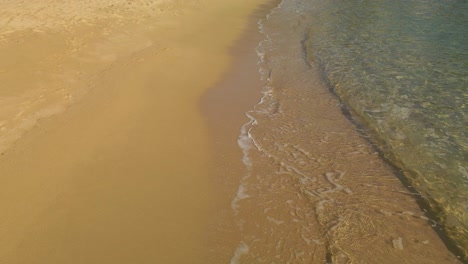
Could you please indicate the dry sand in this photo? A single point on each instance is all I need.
(104, 152)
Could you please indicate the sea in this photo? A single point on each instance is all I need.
(398, 71)
(402, 68)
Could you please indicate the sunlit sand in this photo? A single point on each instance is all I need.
(104, 150)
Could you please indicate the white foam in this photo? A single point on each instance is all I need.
(245, 143)
(240, 195)
(241, 250)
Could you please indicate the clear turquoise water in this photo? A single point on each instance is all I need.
(402, 69)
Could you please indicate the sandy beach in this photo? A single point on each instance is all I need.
(105, 154)
(121, 142)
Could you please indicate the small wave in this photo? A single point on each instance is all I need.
(297, 205)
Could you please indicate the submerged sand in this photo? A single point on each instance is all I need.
(105, 154)
(309, 188)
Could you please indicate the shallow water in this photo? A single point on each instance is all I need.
(401, 66)
(314, 189)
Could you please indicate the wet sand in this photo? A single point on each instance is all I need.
(105, 154)
(224, 106)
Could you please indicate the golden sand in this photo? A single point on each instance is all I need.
(118, 129)
(105, 155)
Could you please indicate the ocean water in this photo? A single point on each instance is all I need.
(402, 69)
(315, 190)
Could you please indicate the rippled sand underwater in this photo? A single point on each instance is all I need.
(315, 188)
(400, 66)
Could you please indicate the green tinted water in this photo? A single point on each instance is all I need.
(402, 67)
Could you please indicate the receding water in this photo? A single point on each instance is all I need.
(317, 191)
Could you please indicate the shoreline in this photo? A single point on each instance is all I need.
(224, 106)
(396, 237)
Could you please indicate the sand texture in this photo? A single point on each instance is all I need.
(104, 150)
(119, 129)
